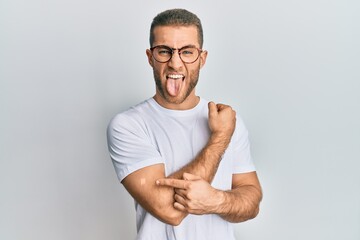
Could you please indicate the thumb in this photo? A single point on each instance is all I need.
(191, 177)
(212, 109)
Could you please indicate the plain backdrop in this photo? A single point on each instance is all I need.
(289, 68)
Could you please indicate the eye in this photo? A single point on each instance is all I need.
(187, 51)
(164, 51)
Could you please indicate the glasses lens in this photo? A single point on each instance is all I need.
(162, 53)
(189, 54)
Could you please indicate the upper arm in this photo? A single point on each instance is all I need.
(157, 200)
(138, 165)
(247, 179)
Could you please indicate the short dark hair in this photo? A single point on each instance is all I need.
(177, 17)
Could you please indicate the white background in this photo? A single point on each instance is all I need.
(289, 68)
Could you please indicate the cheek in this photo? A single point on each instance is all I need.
(158, 68)
(193, 71)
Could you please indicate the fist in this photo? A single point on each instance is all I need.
(222, 119)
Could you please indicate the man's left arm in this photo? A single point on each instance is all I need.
(196, 196)
(242, 202)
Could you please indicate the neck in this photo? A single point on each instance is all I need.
(189, 103)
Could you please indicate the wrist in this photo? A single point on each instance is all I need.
(220, 139)
(218, 201)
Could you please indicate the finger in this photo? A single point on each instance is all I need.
(212, 109)
(179, 207)
(170, 182)
(191, 177)
(226, 108)
(180, 199)
(221, 106)
(181, 192)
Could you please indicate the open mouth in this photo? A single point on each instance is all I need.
(175, 76)
(173, 83)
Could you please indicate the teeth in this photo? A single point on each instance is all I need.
(175, 76)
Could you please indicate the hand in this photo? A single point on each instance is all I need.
(222, 120)
(193, 194)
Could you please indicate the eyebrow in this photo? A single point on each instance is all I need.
(190, 45)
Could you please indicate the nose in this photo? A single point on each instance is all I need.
(175, 62)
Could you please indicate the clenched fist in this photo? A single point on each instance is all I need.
(222, 120)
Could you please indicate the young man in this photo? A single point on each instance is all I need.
(184, 160)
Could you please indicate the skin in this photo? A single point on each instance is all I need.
(188, 190)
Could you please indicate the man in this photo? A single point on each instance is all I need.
(185, 161)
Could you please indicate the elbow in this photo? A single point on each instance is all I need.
(248, 215)
(256, 206)
(254, 213)
(172, 216)
(174, 221)
(256, 209)
(245, 217)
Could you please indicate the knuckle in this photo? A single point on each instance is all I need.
(191, 206)
(188, 195)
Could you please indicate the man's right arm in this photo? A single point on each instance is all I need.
(159, 201)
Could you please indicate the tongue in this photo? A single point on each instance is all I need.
(173, 86)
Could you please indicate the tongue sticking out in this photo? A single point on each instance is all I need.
(173, 86)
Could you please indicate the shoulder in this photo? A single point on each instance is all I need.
(132, 119)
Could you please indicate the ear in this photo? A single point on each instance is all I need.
(203, 57)
(149, 56)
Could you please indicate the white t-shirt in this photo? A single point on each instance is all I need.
(148, 134)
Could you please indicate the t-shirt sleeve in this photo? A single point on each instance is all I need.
(129, 145)
(243, 162)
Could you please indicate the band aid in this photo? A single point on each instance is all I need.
(142, 181)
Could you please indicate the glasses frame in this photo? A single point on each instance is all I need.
(173, 51)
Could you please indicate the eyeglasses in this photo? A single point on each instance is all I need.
(187, 54)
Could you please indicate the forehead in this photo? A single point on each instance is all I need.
(176, 36)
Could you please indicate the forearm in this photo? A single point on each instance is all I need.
(206, 163)
(239, 204)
